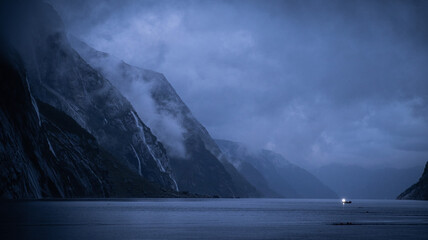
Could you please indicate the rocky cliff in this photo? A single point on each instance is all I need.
(59, 77)
(419, 190)
(196, 160)
(44, 153)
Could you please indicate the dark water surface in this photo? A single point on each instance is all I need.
(214, 219)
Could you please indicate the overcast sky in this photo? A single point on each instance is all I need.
(318, 81)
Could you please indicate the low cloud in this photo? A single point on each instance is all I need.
(165, 126)
(138, 86)
(318, 81)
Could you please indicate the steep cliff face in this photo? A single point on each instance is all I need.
(281, 176)
(59, 77)
(197, 162)
(419, 190)
(19, 168)
(29, 165)
(44, 153)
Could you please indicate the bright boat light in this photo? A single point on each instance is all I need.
(343, 200)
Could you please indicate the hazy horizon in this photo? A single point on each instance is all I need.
(318, 81)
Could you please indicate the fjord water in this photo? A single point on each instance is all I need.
(214, 219)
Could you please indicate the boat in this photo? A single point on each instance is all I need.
(344, 201)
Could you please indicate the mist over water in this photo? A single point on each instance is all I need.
(317, 81)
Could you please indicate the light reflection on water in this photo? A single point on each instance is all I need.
(215, 219)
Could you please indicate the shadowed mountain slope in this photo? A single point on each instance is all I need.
(59, 77)
(44, 153)
(196, 160)
(419, 190)
(281, 176)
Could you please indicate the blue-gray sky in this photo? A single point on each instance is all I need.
(318, 81)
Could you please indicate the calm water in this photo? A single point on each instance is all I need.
(215, 219)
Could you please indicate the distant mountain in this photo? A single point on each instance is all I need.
(196, 160)
(45, 153)
(59, 77)
(419, 190)
(359, 182)
(272, 174)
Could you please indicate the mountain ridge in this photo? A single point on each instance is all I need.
(202, 168)
(282, 177)
(60, 77)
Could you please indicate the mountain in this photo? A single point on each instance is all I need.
(29, 165)
(59, 77)
(419, 190)
(273, 173)
(358, 182)
(196, 160)
(45, 153)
